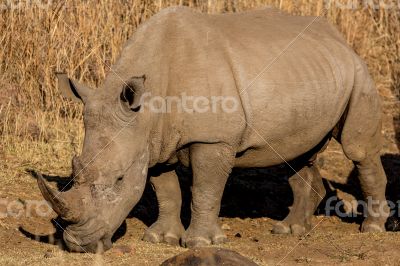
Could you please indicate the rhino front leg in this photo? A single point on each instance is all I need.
(168, 227)
(211, 165)
(308, 191)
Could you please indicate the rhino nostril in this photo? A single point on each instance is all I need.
(119, 179)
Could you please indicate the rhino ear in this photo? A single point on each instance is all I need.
(72, 89)
(132, 92)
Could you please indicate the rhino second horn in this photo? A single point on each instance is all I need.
(59, 201)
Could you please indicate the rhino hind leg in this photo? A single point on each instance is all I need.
(211, 165)
(168, 228)
(361, 140)
(373, 184)
(365, 155)
(308, 192)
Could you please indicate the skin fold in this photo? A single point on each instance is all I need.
(317, 89)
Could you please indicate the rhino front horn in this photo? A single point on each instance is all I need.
(59, 201)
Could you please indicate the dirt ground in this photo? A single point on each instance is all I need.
(253, 201)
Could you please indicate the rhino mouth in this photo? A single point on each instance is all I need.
(92, 236)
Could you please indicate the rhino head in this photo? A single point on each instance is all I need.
(111, 172)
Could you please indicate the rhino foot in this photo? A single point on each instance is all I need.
(284, 228)
(164, 232)
(203, 237)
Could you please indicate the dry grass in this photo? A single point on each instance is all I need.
(84, 38)
(40, 130)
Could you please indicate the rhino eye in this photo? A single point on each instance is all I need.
(119, 179)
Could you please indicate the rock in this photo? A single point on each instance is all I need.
(209, 256)
(122, 249)
(48, 254)
(303, 260)
(393, 224)
(255, 239)
(225, 227)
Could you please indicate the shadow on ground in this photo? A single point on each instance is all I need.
(248, 193)
(255, 193)
(53, 239)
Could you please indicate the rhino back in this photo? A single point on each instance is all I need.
(291, 88)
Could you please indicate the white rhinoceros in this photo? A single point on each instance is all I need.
(273, 88)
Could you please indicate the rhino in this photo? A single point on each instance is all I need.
(292, 84)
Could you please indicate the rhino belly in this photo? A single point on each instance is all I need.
(283, 124)
(269, 153)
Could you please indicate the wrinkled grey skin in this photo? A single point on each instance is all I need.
(317, 89)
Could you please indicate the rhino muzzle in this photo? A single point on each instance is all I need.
(91, 237)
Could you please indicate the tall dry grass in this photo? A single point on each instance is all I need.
(40, 129)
